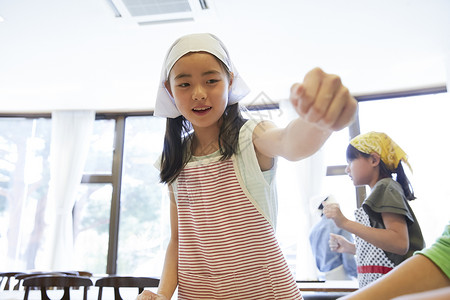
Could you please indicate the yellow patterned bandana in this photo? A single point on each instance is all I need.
(383, 145)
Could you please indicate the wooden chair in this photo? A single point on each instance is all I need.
(45, 282)
(84, 274)
(124, 281)
(23, 276)
(8, 276)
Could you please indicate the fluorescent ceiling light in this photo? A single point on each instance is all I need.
(1, 19)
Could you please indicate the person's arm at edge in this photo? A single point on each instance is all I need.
(414, 275)
(437, 294)
(169, 276)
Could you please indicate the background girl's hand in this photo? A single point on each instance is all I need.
(333, 211)
(323, 100)
(340, 244)
(148, 295)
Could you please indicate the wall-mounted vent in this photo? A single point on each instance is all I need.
(147, 12)
(139, 8)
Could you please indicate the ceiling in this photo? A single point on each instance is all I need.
(76, 54)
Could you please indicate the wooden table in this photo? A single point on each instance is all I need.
(328, 286)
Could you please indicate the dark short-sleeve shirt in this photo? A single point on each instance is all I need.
(387, 196)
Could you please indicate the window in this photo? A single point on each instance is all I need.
(122, 211)
(144, 203)
(24, 176)
(419, 126)
(91, 227)
(340, 186)
(100, 157)
(92, 210)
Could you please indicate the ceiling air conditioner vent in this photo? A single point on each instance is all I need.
(148, 12)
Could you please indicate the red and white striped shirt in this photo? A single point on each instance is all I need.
(227, 248)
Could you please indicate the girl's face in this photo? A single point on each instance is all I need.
(199, 85)
(363, 170)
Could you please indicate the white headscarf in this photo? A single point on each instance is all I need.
(165, 104)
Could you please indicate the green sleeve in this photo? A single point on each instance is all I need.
(439, 252)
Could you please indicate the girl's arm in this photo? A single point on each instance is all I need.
(296, 141)
(414, 275)
(323, 104)
(392, 239)
(340, 244)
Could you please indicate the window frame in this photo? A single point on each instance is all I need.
(115, 178)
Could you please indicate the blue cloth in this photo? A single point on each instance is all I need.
(327, 260)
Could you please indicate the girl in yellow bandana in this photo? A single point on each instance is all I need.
(386, 230)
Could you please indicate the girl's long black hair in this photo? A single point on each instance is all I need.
(401, 178)
(178, 135)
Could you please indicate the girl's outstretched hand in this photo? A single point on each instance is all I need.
(323, 100)
(148, 295)
(333, 211)
(340, 244)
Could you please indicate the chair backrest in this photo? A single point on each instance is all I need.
(124, 281)
(22, 276)
(8, 276)
(44, 282)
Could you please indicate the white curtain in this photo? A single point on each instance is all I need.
(71, 133)
(311, 177)
(297, 183)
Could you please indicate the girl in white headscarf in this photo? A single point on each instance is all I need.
(220, 169)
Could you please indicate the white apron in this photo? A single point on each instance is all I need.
(371, 261)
